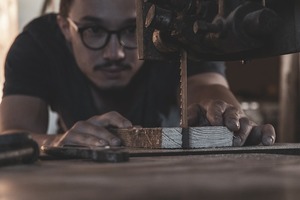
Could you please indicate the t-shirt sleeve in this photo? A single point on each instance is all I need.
(25, 69)
(195, 67)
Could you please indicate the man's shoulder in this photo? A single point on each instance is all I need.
(45, 33)
(43, 22)
(44, 28)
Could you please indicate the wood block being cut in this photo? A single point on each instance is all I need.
(171, 138)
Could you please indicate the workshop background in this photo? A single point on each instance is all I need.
(267, 88)
(14, 15)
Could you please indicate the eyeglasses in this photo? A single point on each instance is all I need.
(96, 37)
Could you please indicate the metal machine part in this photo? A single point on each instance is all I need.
(217, 29)
(183, 100)
(100, 154)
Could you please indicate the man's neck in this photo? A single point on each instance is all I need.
(119, 100)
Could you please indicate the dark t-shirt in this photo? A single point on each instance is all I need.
(40, 64)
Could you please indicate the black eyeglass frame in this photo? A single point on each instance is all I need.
(80, 30)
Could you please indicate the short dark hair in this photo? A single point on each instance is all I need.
(64, 7)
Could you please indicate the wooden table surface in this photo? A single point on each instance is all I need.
(222, 176)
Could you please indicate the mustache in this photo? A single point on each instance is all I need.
(109, 64)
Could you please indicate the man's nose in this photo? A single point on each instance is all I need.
(113, 50)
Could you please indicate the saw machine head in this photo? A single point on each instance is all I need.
(217, 29)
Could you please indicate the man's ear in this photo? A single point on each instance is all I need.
(64, 27)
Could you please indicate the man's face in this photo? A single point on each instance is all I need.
(114, 65)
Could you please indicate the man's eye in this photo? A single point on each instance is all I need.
(95, 30)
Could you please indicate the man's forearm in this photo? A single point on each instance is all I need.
(40, 138)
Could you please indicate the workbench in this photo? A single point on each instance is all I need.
(213, 176)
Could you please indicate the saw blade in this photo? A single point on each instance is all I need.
(183, 89)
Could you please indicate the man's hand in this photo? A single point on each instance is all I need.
(219, 113)
(93, 132)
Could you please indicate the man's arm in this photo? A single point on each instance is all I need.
(211, 102)
(24, 113)
(20, 113)
(209, 86)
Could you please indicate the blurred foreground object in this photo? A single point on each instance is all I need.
(18, 148)
(99, 154)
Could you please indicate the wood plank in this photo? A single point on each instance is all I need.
(171, 138)
(210, 136)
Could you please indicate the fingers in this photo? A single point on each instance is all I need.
(242, 134)
(231, 118)
(84, 133)
(215, 110)
(250, 134)
(111, 119)
(217, 113)
(197, 116)
(80, 139)
(264, 134)
(94, 132)
(254, 137)
(268, 135)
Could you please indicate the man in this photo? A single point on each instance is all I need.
(83, 63)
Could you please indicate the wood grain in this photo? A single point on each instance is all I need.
(171, 138)
(194, 177)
